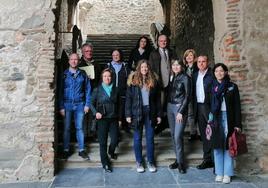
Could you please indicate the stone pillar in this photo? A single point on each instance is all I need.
(27, 96)
(241, 43)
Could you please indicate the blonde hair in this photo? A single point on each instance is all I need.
(138, 80)
(186, 53)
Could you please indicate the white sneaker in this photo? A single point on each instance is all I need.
(226, 179)
(140, 168)
(151, 167)
(219, 178)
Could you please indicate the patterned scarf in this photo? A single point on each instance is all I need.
(218, 90)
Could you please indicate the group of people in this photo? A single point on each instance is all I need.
(153, 88)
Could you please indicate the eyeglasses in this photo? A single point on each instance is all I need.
(88, 51)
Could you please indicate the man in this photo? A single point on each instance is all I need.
(87, 60)
(74, 101)
(120, 72)
(159, 61)
(202, 83)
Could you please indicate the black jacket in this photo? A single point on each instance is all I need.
(179, 92)
(122, 78)
(233, 110)
(135, 57)
(207, 82)
(97, 69)
(102, 103)
(133, 107)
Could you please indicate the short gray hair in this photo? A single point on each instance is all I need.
(87, 44)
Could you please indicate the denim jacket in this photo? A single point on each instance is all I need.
(75, 88)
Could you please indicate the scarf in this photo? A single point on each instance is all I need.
(218, 90)
(107, 88)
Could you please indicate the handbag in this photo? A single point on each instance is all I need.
(237, 144)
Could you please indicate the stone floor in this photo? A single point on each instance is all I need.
(128, 177)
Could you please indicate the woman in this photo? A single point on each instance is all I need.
(177, 109)
(141, 51)
(104, 107)
(120, 72)
(143, 108)
(189, 60)
(226, 110)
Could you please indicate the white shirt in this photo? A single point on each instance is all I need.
(223, 105)
(200, 93)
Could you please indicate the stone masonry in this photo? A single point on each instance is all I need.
(118, 16)
(242, 46)
(241, 43)
(27, 59)
(27, 96)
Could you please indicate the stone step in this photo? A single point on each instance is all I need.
(163, 152)
(103, 44)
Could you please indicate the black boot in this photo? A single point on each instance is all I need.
(181, 168)
(173, 165)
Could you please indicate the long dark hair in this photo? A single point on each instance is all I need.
(224, 67)
(180, 62)
(147, 47)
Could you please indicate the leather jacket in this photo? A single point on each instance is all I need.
(180, 92)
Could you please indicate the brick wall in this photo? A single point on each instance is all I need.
(234, 49)
(239, 42)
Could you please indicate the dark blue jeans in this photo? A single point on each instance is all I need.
(76, 110)
(149, 132)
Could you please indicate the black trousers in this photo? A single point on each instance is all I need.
(202, 115)
(164, 123)
(105, 127)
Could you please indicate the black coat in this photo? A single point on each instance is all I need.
(133, 107)
(135, 56)
(97, 69)
(233, 110)
(122, 78)
(207, 82)
(102, 103)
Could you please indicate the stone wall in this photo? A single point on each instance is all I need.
(27, 103)
(118, 16)
(192, 26)
(240, 43)
(253, 71)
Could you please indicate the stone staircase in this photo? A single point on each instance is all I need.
(163, 147)
(163, 152)
(103, 44)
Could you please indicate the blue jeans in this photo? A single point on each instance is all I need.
(224, 164)
(149, 132)
(76, 110)
(176, 130)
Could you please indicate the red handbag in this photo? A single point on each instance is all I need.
(237, 144)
